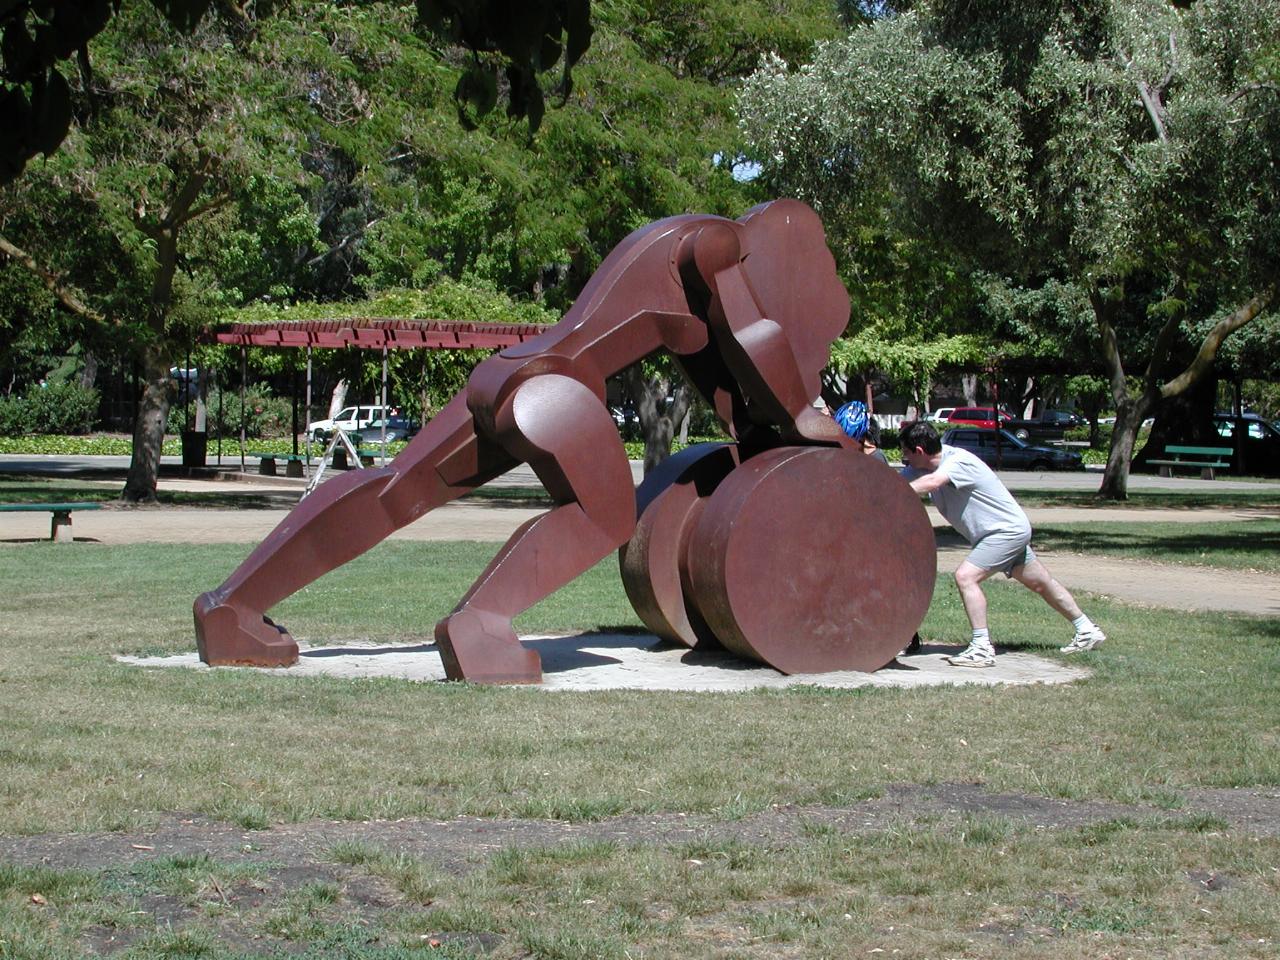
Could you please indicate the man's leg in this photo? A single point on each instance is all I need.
(980, 652)
(1035, 576)
(969, 577)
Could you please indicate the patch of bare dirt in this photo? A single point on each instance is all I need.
(460, 844)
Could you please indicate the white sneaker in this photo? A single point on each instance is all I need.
(978, 655)
(1084, 640)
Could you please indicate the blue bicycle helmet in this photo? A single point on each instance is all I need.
(853, 419)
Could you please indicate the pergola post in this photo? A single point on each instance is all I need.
(383, 403)
(307, 441)
(244, 375)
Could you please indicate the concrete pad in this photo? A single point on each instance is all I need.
(613, 661)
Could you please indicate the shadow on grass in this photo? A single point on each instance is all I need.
(44, 490)
(1153, 500)
(1161, 543)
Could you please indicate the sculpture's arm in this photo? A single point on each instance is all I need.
(755, 347)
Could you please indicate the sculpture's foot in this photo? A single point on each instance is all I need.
(228, 636)
(481, 647)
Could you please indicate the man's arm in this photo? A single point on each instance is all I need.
(929, 482)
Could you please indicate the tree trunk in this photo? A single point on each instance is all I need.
(1184, 418)
(1030, 398)
(88, 369)
(969, 384)
(658, 419)
(148, 430)
(202, 401)
(1129, 416)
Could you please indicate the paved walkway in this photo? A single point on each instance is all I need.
(1162, 585)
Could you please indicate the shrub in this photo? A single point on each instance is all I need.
(59, 408)
(12, 417)
(267, 415)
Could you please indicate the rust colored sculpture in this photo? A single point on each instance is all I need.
(749, 308)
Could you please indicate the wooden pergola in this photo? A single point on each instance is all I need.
(366, 333)
(375, 334)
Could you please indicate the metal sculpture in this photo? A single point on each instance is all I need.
(749, 309)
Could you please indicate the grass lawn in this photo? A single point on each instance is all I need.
(1176, 701)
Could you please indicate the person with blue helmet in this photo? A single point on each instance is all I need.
(859, 426)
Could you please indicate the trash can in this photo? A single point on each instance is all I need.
(195, 448)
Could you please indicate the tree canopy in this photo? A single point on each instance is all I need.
(315, 155)
(1118, 155)
(521, 40)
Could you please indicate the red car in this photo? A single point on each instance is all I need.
(984, 417)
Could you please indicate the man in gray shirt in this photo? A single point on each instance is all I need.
(973, 500)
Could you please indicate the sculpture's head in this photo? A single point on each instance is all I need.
(794, 276)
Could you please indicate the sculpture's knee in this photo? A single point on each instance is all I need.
(563, 430)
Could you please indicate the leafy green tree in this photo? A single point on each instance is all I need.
(171, 142)
(36, 106)
(647, 132)
(1125, 150)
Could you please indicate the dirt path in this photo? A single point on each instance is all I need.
(1168, 585)
(1174, 586)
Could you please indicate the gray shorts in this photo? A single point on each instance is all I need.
(1003, 552)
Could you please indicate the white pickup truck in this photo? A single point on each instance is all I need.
(349, 420)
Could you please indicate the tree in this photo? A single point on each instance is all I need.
(318, 156)
(1124, 149)
(170, 138)
(36, 100)
(647, 132)
(198, 186)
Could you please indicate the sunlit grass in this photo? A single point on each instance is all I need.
(90, 743)
(962, 886)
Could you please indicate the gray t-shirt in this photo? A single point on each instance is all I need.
(975, 502)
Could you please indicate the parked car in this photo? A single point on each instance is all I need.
(976, 417)
(398, 428)
(350, 420)
(1013, 454)
(1063, 418)
(1049, 425)
(1261, 442)
(940, 415)
(1111, 420)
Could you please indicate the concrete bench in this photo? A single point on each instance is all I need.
(60, 529)
(267, 463)
(1204, 459)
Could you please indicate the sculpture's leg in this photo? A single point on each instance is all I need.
(340, 520)
(560, 427)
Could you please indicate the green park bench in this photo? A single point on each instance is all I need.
(367, 455)
(267, 462)
(1204, 459)
(370, 454)
(60, 530)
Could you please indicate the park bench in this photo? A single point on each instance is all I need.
(1204, 459)
(367, 457)
(60, 530)
(267, 463)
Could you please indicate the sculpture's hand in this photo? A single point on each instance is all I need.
(815, 426)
